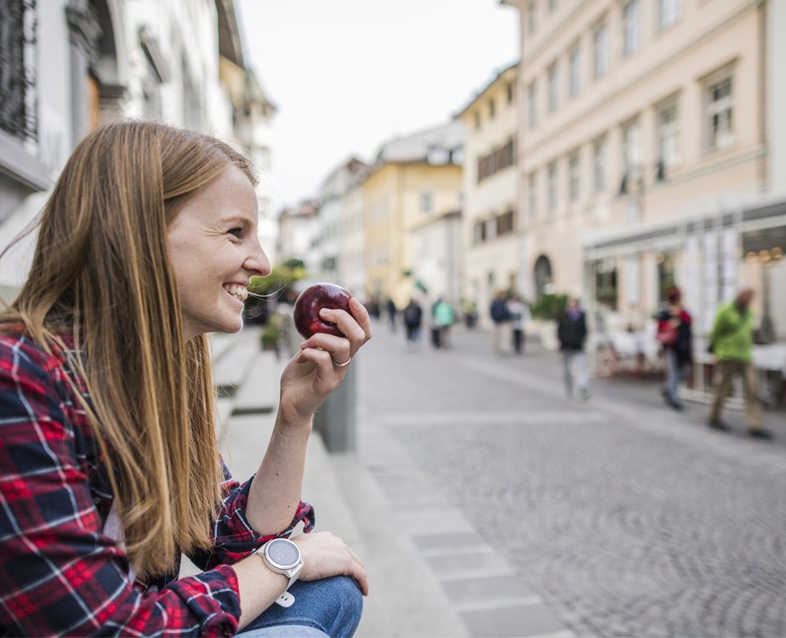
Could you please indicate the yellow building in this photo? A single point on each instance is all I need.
(416, 178)
(489, 222)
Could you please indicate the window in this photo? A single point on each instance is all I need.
(477, 120)
(532, 194)
(574, 71)
(599, 164)
(18, 109)
(552, 186)
(669, 12)
(499, 158)
(479, 233)
(426, 202)
(668, 131)
(631, 153)
(574, 176)
(505, 223)
(631, 27)
(491, 109)
(532, 18)
(600, 51)
(532, 104)
(491, 229)
(719, 99)
(553, 88)
(510, 92)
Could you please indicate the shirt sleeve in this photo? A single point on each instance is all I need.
(59, 575)
(233, 536)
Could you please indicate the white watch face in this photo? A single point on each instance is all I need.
(282, 553)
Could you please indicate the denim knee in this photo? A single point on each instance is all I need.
(331, 605)
(342, 604)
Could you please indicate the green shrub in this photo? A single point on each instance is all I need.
(548, 307)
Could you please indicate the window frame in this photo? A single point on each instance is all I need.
(670, 104)
(532, 194)
(574, 176)
(676, 14)
(631, 26)
(601, 144)
(574, 71)
(599, 54)
(552, 73)
(713, 107)
(552, 186)
(532, 104)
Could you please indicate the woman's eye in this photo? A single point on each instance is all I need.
(237, 232)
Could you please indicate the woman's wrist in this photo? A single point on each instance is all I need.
(289, 419)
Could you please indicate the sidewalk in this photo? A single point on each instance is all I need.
(430, 573)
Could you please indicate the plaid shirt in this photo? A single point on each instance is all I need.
(59, 574)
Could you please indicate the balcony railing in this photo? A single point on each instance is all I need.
(17, 76)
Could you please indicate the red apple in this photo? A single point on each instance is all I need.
(311, 301)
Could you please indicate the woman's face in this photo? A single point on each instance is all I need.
(215, 251)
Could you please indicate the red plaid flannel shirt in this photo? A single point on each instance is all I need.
(59, 575)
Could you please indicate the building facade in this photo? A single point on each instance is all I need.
(69, 65)
(491, 245)
(417, 177)
(298, 235)
(642, 140)
(332, 218)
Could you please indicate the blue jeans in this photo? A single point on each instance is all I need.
(328, 607)
(675, 374)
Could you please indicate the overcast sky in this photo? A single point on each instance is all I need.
(347, 75)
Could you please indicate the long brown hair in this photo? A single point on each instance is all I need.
(102, 262)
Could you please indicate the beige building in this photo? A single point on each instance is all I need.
(490, 242)
(416, 178)
(642, 144)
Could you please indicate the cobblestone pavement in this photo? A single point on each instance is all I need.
(625, 517)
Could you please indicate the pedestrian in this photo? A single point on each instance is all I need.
(443, 319)
(500, 317)
(392, 313)
(413, 318)
(519, 316)
(572, 332)
(731, 341)
(109, 466)
(674, 335)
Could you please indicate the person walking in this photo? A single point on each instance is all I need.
(500, 317)
(413, 318)
(519, 316)
(443, 319)
(392, 313)
(674, 335)
(731, 340)
(572, 332)
(109, 465)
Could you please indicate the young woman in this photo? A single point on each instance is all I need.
(109, 467)
(674, 335)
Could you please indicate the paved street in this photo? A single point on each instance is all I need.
(622, 516)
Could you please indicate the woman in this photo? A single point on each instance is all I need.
(674, 335)
(109, 464)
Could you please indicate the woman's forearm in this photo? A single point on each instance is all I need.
(276, 489)
(258, 587)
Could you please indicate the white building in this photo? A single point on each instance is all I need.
(299, 234)
(73, 64)
(352, 267)
(437, 249)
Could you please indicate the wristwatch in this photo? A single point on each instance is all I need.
(283, 557)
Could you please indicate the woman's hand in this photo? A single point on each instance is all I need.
(325, 555)
(313, 373)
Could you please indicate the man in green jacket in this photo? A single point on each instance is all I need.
(732, 344)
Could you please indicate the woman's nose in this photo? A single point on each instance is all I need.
(258, 261)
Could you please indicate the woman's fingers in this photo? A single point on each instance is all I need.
(338, 347)
(325, 555)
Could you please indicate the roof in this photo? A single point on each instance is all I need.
(418, 147)
(479, 95)
(229, 43)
